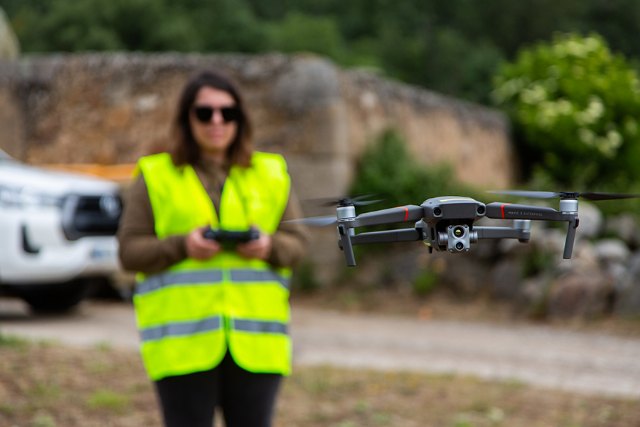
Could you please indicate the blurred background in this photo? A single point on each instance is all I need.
(400, 100)
(406, 100)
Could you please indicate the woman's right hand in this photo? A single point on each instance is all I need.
(200, 248)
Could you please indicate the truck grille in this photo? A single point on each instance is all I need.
(91, 215)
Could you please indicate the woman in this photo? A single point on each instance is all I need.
(212, 315)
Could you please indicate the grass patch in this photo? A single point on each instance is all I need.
(54, 385)
(109, 400)
(11, 341)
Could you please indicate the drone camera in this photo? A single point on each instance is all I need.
(458, 238)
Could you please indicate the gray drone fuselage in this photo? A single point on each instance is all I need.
(448, 222)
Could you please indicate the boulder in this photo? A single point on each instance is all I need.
(591, 220)
(584, 294)
(627, 296)
(612, 250)
(625, 227)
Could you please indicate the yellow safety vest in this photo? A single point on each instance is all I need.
(189, 315)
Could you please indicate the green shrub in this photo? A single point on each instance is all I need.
(12, 341)
(305, 278)
(425, 282)
(576, 108)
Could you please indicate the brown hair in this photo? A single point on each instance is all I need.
(185, 149)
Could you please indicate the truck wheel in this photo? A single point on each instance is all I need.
(53, 298)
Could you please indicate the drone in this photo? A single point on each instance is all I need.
(447, 223)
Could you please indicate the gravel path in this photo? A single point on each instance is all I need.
(582, 362)
(590, 363)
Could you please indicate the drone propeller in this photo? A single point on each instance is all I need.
(567, 195)
(384, 216)
(315, 221)
(362, 200)
(323, 221)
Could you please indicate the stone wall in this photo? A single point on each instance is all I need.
(112, 108)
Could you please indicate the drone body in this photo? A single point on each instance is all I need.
(448, 223)
(443, 223)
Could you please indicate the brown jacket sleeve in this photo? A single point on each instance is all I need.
(141, 250)
(289, 242)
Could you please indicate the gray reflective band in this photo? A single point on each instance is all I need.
(180, 329)
(159, 281)
(208, 277)
(259, 326)
(249, 275)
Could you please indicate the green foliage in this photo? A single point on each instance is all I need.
(425, 282)
(449, 46)
(577, 109)
(464, 62)
(225, 26)
(69, 25)
(300, 32)
(11, 341)
(536, 262)
(387, 170)
(304, 277)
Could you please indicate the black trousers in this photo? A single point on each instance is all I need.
(246, 399)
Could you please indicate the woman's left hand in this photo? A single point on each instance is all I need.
(259, 248)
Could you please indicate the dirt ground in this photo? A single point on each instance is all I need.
(49, 384)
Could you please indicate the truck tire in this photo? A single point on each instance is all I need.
(53, 298)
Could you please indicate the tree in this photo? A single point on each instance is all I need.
(576, 107)
(300, 32)
(99, 25)
(449, 46)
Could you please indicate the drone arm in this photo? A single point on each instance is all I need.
(388, 236)
(388, 216)
(513, 211)
(502, 233)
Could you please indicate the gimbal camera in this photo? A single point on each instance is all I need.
(448, 223)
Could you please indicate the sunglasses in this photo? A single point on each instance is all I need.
(229, 114)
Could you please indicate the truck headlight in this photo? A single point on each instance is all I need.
(20, 197)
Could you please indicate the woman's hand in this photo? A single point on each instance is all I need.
(200, 248)
(259, 248)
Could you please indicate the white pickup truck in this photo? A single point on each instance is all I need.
(57, 234)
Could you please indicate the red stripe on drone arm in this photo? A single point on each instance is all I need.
(406, 213)
(502, 208)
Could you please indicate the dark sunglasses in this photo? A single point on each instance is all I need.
(229, 114)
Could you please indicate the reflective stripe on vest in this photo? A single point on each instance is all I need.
(189, 315)
(211, 324)
(259, 326)
(180, 329)
(208, 277)
(252, 276)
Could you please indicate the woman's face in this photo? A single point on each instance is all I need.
(214, 121)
